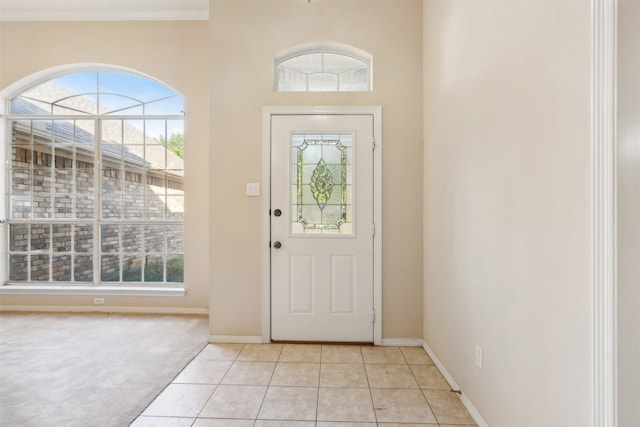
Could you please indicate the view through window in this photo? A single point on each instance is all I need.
(96, 186)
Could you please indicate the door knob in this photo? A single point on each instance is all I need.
(277, 245)
(277, 212)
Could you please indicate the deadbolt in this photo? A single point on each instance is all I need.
(277, 245)
(277, 212)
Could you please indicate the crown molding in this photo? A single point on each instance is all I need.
(104, 10)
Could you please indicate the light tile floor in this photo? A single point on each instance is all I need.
(279, 385)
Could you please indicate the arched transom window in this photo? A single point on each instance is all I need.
(96, 187)
(327, 67)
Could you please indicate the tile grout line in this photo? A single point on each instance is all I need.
(167, 386)
(279, 362)
(219, 383)
(366, 373)
(424, 396)
(268, 385)
(318, 396)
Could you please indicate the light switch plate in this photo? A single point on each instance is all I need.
(253, 189)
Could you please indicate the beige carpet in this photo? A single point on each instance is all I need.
(90, 369)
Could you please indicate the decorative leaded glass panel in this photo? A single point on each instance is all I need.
(321, 184)
(323, 72)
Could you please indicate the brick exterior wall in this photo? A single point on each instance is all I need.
(52, 197)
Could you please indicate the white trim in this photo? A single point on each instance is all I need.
(603, 145)
(104, 309)
(33, 79)
(322, 47)
(4, 227)
(7, 94)
(267, 112)
(377, 220)
(142, 291)
(104, 10)
(236, 339)
(266, 224)
(401, 342)
(475, 414)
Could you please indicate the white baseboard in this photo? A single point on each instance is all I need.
(475, 414)
(232, 339)
(401, 342)
(104, 309)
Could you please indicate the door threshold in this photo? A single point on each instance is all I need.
(358, 343)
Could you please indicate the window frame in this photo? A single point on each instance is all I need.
(323, 48)
(96, 286)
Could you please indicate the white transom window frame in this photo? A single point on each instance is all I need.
(323, 48)
(62, 288)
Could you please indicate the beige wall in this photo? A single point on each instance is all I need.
(507, 205)
(506, 175)
(245, 36)
(628, 212)
(172, 52)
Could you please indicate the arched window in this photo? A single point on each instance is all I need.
(326, 67)
(96, 176)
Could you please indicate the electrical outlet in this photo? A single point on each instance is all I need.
(478, 356)
(98, 301)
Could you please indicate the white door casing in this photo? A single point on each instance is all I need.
(323, 281)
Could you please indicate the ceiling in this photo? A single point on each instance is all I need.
(104, 10)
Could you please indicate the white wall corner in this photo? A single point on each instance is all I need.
(475, 414)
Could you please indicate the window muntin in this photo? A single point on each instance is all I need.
(332, 68)
(96, 188)
(98, 93)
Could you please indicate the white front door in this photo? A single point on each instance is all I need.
(322, 227)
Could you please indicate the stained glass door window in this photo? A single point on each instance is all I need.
(321, 184)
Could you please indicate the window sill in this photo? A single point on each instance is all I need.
(102, 290)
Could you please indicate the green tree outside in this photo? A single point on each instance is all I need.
(175, 143)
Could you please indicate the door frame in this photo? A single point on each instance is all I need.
(267, 113)
(604, 60)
